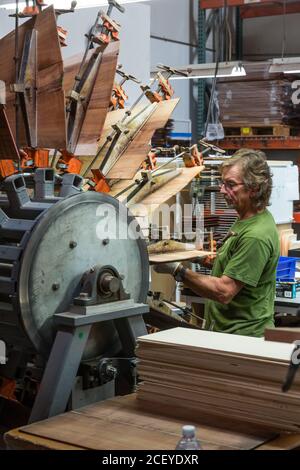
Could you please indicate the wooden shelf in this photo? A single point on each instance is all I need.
(209, 4)
(272, 9)
(272, 143)
(256, 8)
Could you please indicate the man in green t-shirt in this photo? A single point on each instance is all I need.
(241, 288)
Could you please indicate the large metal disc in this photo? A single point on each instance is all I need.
(73, 236)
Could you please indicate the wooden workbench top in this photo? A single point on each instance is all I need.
(119, 424)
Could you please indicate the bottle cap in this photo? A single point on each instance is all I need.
(188, 430)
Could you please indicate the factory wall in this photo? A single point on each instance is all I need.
(174, 43)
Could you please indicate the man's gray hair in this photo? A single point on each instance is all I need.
(256, 174)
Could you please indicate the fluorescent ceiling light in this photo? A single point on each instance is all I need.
(65, 4)
(289, 65)
(225, 69)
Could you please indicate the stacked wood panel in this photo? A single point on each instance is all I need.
(258, 99)
(200, 375)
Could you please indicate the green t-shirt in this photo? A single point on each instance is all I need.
(250, 256)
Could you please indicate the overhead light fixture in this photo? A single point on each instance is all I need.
(224, 69)
(65, 4)
(288, 65)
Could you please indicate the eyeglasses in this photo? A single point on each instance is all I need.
(230, 184)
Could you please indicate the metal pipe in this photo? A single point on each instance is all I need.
(17, 100)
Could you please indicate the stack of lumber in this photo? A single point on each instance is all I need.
(261, 102)
(202, 375)
(259, 98)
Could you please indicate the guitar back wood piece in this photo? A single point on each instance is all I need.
(50, 99)
(172, 187)
(8, 149)
(99, 102)
(130, 161)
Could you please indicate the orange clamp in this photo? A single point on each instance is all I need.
(101, 185)
(150, 162)
(7, 168)
(68, 163)
(34, 158)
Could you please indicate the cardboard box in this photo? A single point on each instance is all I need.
(288, 290)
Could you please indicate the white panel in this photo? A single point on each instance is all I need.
(285, 191)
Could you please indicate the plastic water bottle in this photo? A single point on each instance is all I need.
(188, 439)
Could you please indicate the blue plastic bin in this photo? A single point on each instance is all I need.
(286, 268)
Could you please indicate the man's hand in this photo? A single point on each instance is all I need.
(167, 268)
(207, 261)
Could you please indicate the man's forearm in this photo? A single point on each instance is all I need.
(210, 287)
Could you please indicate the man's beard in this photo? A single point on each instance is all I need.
(229, 203)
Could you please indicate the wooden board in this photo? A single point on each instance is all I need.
(221, 374)
(120, 185)
(237, 344)
(112, 118)
(160, 179)
(218, 361)
(173, 187)
(71, 66)
(283, 334)
(99, 102)
(283, 442)
(171, 401)
(50, 95)
(126, 427)
(16, 439)
(159, 258)
(136, 152)
(50, 119)
(153, 201)
(161, 195)
(8, 149)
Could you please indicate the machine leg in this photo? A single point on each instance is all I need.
(60, 373)
(129, 329)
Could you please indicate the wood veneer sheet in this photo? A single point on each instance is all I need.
(228, 343)
(172, 187)
(158, 258)
(8, 149)
(51, 128)
(136, 152)
(99, 102)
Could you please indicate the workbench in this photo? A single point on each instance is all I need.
(287, 311)
(120, 424)
(287, 306)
